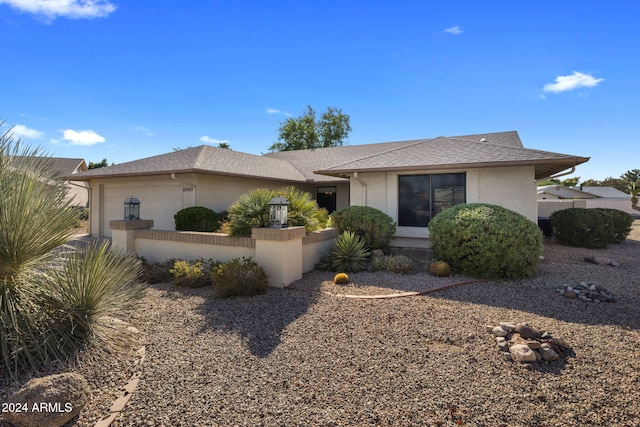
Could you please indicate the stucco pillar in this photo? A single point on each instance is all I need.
(279, 253)
(123, 233)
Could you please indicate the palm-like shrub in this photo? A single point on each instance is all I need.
(52, 303)
(348, 253)
(252, 210)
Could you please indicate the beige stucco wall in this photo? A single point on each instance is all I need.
(547, 207)
(511, 187)
(163, 195)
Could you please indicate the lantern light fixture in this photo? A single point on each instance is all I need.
(131, 209)
(278, 212)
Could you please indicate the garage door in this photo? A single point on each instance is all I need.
(158, 201)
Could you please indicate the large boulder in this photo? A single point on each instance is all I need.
(50, 401)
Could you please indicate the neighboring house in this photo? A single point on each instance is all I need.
(552, 198)
(78, 191)
(411, 181)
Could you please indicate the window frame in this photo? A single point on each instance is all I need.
(417, 222)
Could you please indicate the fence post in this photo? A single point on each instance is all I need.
(279, 253)
(123, 233)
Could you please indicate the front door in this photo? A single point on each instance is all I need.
(326, 198)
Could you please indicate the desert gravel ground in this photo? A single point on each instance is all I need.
(311, 358)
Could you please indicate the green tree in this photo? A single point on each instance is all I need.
(52, 303)
(633, 186)
(224, 145)
(304, 132)
(102, 164)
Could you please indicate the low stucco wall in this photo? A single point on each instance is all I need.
(547, 207)
(316, 245)
(284, 254)
(162, 245)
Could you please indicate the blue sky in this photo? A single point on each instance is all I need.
(124, 80)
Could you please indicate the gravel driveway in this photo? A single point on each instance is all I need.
(300, 358)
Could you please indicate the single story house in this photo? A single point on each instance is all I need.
(552, 198)
(411, 181)
(77, 191)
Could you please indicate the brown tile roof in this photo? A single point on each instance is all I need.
(333, 163)
(203, 159)
(457, 153)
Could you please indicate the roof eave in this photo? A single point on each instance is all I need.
(556, 165)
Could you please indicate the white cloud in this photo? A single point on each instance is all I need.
(144, 130)
(208, 140)
(82, 137)
(273, 111)
(455, 30)
(573, 81)
(63, 8)
(21, 131)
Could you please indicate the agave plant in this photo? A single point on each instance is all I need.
(348, 253)
(52, 303)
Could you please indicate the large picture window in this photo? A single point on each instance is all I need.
(421, 197)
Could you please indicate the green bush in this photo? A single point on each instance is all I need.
(372, 225)
(348, 253)
(239, 277)
(621, 222)
(486, 241)
(252, 210)
(190, 274)
(394, 263)
(586, 228)
(197, 218)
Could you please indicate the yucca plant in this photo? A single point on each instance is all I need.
(348, 253)
(52, 303)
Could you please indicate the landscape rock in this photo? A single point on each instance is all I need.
(507, 326)
(522, 353)
(587, 292)
(50, 401)
(547, 353)
(515, 347)
(527, 331)
(377, 253)
(499, 332)
(601, 260)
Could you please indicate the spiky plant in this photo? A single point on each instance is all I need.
(252, 210)
(52, 303)
(348, 253)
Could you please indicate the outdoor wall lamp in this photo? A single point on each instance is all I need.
(278, 212)
(131, 209)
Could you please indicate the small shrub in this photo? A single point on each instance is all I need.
(440, 269)
(156, 272)
(197, 218)
(190, 274)
(485, 240)
(394, 263)
(348, 253)
(621, 222)
(372, 225)
(586, 228)
(239, 277)
(341, 279)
